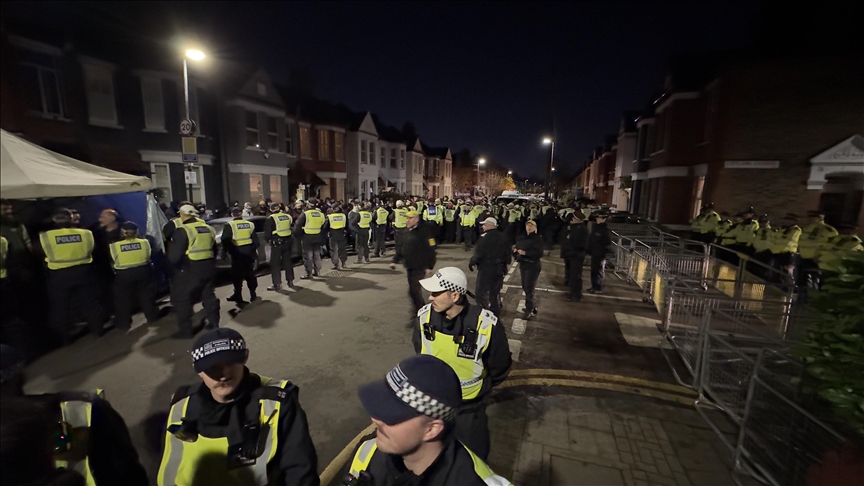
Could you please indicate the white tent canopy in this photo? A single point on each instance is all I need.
(28, 171)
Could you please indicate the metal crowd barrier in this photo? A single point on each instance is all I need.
(780, 441)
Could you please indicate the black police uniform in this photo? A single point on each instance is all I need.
(529, 268)
(417, 251)
(281, 254)
(599, 246)
(193, 282)
(242, 261)
(472, 424)
(491, 257)
(574, 246)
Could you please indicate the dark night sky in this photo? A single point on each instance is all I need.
(487, 76)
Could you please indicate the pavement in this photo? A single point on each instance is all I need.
(590, 400)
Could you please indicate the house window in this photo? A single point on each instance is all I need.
(339, 145)
(383, 157)
(40, 80)
(304, 142)
(272, 135)
(256, 188)
(363, 153)
(402, 187)
(252, 139)
(371, 153)
(198, 194)
(363, 189)
(99, 82)
(161, 177)
(154, 107)
(392, 158)
(698, 190)
(402, 159)
(289, 138)
(323, 145)
(371, 187)
(276, 187)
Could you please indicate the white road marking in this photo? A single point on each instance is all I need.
(519, 326)
(515, 348)
(521, 306)
(639, 331)
(507, 279)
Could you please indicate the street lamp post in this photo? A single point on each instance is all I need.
(195, 55)
(480, 162)
(549, 141)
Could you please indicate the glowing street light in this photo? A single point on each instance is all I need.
(549, 141)
(195, 54)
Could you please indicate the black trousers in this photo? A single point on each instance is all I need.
(598, 271)
(243, 269)
(472, 429)
(573, 274)
(468, 236)
(361, 244)
(312, 254)
(131, 286)
(449, 231)
(380, 240)
(281, 259)
(415, 291)
(192, 285)
(397, 235)
(74, 291)
(488, 288)
(338, 247)
(530, 273)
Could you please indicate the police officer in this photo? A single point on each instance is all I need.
(336, 226)
(277, 227)
(491, 258)
(430, 216)
(417, 253)
(241, 243)
(813, 237)
(784, 245)
(381, 218)
(761, 247)
(363, 221)
(529, 250)
(311, 222)
(574, 248)
(90, 438)
(599, 247)
(844, 243)
(745, 233)
(729, 237)
(449, 223)
(192, 254)
(174, 223)
(469, 339)
(71, 280)
(134, 279)
(722, 227)
(236, 427)
(413, 438)
(467, 222)
(399, 218)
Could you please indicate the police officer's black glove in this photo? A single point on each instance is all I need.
(471, 266)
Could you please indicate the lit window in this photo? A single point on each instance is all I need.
(256, 188)
(275, 187)
(323, 145)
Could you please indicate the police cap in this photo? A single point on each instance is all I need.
(128, 226)
(235, 211)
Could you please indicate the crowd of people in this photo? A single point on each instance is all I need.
(784, 252)
(238, 424)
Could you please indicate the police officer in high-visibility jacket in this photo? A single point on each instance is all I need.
(362, 218)
(90, 437)
(844, 243)
(813, 237)
(399, 219)
(277, 227)
(469, 339)
(745, 232)
(336, 228)
(310, 225)
(174, 223)
(784, 245)
(382, 217)
(192, 254)
(467, 224)
(236, 427)
(430, 215)
(413, 408)
(134, 278)
(761, 247)
(71, 281)
(240, 242)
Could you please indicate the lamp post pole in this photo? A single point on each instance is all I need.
(186, 101)
(479, 163)
(549, 141)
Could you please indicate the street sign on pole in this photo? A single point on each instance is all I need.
(187, 127)
(190, 150)
(191, 177)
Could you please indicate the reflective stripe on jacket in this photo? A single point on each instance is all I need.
(78, 414)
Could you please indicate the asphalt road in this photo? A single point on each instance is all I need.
(335, 333)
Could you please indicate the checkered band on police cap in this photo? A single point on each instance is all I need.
(417, 399)
(217, 347)
(221, 345)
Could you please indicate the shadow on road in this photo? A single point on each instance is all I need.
(312, 298)
(261, 313)
(347, 284)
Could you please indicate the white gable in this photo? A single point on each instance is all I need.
(368, 126)
(846, 157)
